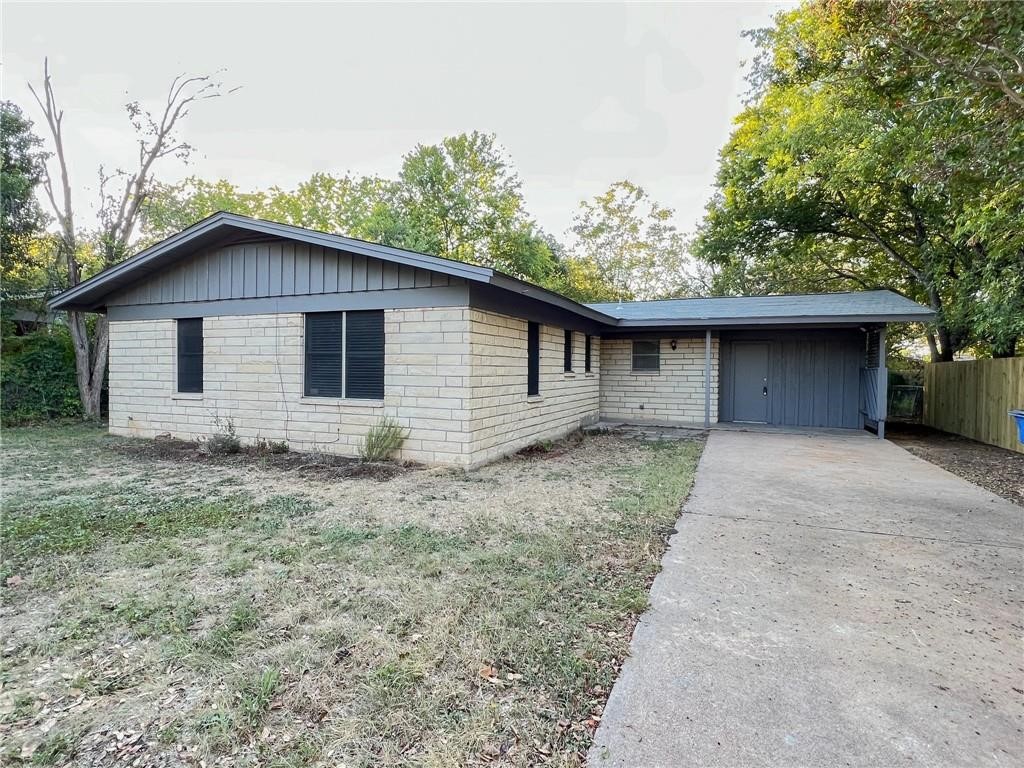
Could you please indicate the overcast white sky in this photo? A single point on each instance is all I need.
(580, 95)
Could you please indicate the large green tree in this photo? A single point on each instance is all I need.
(22, 166)
(882, 148)
(459, 199)
(627, 246)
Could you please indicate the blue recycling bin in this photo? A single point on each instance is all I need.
(1019, 418)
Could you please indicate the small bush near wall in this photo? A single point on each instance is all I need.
(382, 440)
(37, 377)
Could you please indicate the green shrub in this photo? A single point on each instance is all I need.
(224, 441)
(37, 377)
(384, 438)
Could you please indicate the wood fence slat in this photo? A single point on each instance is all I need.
(972, 397)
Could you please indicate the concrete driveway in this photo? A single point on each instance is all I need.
(827, 600)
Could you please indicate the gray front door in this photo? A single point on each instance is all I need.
(750, 382)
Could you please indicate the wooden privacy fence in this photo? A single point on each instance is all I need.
(971, 398)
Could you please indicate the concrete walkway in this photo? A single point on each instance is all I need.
(827, 600)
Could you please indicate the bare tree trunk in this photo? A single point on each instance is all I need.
(118, 214)
(101, 349)
(946, 350)
(944, 353)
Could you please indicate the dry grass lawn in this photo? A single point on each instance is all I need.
(157, 611)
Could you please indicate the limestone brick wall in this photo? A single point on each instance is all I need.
(253, 375)
(675, 394)
(502, 419)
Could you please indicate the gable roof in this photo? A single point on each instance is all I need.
(804, 309)
(91, 294)
(851, 307)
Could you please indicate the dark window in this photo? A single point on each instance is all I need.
(645, 355)
(190, 355)
(568, 350)
(586, 353)
(364, 355)
(345, 354)
(532, 359)
(324, 354)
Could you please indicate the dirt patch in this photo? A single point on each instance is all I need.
(995, 469)
(319, 466)
(552, 448)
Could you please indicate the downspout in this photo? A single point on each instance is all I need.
(707, 378)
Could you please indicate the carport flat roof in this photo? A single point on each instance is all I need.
(795, 309)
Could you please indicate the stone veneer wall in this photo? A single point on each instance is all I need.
(502, 419)
(675, 394)
(455, 378)
(253, 376)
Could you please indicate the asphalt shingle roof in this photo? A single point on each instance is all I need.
(881, 305)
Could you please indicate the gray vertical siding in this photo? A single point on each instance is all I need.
(813, 376)
(274, 268)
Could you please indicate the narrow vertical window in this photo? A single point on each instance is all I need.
(364, 355)
(190, 354)
(532, 359)
(324, 354)
(568, 351)
(586, 353)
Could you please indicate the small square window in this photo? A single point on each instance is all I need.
(646, 355)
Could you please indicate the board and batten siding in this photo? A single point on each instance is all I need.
(275, 268)
(813, 376)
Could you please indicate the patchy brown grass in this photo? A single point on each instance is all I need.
(171, 609)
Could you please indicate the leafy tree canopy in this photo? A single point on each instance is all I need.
(627, 244)
(22, 262)
(460, 199)
(882, 148)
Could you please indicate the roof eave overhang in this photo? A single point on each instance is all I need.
(521, 287)
(90, 296)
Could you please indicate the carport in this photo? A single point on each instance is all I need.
(808, 360)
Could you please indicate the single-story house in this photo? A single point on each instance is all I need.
(311, 338)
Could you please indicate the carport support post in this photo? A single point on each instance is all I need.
(882, 404)
(707, 378)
